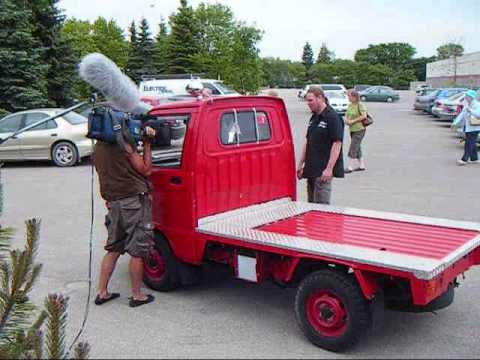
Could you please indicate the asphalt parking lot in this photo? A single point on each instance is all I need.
(410, 169)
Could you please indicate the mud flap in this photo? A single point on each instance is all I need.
(440, 302)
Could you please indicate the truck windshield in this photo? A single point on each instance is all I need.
(224, 88)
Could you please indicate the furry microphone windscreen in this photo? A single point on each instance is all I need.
(102, 74)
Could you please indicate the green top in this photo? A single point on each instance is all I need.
(354, 111)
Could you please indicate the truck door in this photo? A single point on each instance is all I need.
(172, 185)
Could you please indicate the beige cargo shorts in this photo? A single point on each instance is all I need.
(129, 226)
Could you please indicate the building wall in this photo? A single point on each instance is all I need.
(462, 71)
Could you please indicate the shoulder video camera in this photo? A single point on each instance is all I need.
(107, 124)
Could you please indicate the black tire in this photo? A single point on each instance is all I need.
(345, 316)
(160, 270)
(64, 154)
(363, 98)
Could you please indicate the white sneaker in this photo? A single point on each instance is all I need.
(460, 162)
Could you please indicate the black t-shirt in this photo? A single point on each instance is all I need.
(324, 129)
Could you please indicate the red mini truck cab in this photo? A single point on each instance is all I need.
(226, 194)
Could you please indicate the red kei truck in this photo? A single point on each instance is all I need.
(228, 195)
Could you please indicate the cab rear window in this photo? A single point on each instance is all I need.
(244, 127)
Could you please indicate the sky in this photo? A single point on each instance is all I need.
(344, 25)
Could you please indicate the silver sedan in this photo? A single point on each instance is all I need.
(62, 140)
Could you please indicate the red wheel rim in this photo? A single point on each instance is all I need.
(326, 313)
(154, 266)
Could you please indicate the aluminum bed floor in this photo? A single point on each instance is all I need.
(420, 245)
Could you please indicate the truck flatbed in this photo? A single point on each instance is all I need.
(420, 245)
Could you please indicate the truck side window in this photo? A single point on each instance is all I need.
(168, 146)
(244, 130)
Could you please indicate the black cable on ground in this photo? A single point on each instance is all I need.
(87, 305)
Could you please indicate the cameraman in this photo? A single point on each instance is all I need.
(123, 176)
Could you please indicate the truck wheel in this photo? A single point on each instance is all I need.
(331, 310)
(160, 269)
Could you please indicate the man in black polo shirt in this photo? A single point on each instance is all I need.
(321, 157)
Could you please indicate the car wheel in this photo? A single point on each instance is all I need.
(160, 269)
(389, 99)
(331, 310)
(64, 154)
(363, 98)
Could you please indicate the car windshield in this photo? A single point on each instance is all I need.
(331, 87)
(335, 95)
(224, 88)
(73, 118)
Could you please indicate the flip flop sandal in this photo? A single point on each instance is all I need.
(348, 171)
(359, 169)
(101, 301)
(134, 302)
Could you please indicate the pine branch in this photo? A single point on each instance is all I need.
(17, 279)
(56, 306)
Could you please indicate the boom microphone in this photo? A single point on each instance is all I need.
(104, 75)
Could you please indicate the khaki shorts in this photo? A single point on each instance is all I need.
(129, 226)
(318, 191)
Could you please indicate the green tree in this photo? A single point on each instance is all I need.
(134, 60)
(245, 71)
(325, 55)
(282, 73)
(449, 50)
(227, 49)
(109, 40)
(78, 34)
(307, 56)
(419, 66)
(58, 55)
(184, 42)
(23, 83)
(216, 29)
(397, 56)
(161, 48)
(146, 48)
(350, 73)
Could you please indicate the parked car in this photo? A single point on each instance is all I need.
(325, 87)
(334, 87)
(449, 108)
(379, 93)
(62, 140)
(444, 94)
(338, 101)
(303, 92)
(425, 102)
(361, 87)
(421, 88)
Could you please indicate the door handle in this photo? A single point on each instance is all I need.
(54, 135)
(177, 180)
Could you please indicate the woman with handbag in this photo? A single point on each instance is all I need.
(469, 121)
(356, 118)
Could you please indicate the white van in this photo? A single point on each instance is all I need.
(171, 87)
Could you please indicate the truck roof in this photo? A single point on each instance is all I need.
(194, 103)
